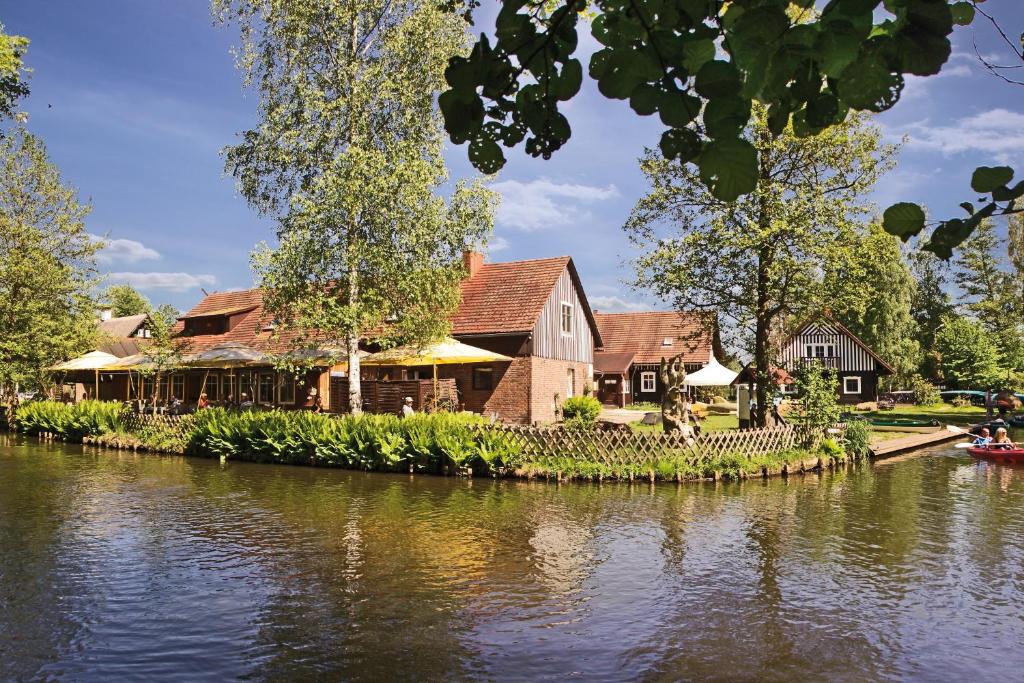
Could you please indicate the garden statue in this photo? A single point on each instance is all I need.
(675, 407)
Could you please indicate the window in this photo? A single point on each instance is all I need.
(851, 385)
(421, 373)
(246, 386)
(566, 318)
(570, 380)
(286, 393)
(177, 387)
(483, 378)
(788, 389)
(820, 351)
(211, 387)
(667, 341)
(227, 387)
(266, 388)
(648, 383)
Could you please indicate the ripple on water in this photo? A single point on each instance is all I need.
(147, 568)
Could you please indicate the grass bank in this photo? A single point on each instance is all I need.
(434, 443)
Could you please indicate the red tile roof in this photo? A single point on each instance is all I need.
(506, 297)
(644, 333)
(501, 298)
(612, 362)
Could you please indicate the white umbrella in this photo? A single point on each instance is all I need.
(94, 360)
(714, 374)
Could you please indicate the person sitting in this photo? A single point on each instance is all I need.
(1002, 440)
(407, 408)
(229, 402)
(983, 438)
(245, 403)
(203, 402)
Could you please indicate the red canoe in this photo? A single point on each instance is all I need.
(1012, 454)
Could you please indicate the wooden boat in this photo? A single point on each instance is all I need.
(904, 425)
(994, 453)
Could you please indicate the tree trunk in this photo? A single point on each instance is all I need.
(762, 329)
(355, 391)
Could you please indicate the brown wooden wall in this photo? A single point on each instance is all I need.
(548, 339)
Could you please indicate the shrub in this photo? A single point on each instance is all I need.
(857, 438)
(830, 448)
(962, 402)
(581, 411)
(70, 421)
(925, 393)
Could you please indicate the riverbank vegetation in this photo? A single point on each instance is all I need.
(431, 443)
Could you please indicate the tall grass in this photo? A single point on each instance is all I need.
(422, 443)
(70, 421)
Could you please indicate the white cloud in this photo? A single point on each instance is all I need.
(172, 282)
(615, 304)
(541, 203)
(999, 132)
(496, 244)
(123, 251)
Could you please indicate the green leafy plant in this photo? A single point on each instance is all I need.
(924, 392)
(581, 411)
(857, 438)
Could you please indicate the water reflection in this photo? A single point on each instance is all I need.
(141, 567)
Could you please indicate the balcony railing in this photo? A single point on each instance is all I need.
(823, 361)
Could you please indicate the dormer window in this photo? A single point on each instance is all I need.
(667, 341)
(269, 326)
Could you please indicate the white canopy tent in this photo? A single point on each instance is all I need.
(714, 374)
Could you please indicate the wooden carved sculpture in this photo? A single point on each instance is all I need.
(674, 406)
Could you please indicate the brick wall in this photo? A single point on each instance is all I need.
(550, 377)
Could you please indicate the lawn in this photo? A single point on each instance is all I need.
(713, 423)
(945, 413)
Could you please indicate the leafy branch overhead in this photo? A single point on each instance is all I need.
(699, 65)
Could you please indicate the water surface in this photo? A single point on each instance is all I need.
(141, 567)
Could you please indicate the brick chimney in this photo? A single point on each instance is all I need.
(473, 261)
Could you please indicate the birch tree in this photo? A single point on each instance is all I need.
(347, 156)
(47, 266)
(757, 260)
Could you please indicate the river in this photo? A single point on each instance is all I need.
(118, 566)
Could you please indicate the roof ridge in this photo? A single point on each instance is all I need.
(528, 260)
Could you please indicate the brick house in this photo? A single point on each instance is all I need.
(536, 312)
(626, 366)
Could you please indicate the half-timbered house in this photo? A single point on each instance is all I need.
(825, 342)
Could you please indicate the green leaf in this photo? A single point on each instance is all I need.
(729, 168)
(726, 116)
(696, 53)
(869, 83)
(1006, 193)
(486, 155)
(988, 178)
(838, 47)
(963, 13)
(718, 79)
(677, 108)
(968, 207)
(903, 220)
(645, 99)
(679, 143)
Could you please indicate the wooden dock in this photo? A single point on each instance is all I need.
(913, 442)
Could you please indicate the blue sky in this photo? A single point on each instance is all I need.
(135, 99)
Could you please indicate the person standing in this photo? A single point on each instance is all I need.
(407, 409)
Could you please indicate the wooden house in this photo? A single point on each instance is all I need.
(825, 342)
(626, 365)
(536, 312)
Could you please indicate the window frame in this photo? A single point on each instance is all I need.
(567, 306)
(570, 379)
(212, 387)
(479, 372)
(265, 384)
(177, 380)
(860, 384)
(286, 381)
(646, 375)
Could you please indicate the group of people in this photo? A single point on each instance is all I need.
(313, 402)
(1000, 440)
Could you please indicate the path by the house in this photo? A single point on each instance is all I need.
(621, 415)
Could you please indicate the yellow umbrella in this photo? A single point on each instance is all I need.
(445, 352)
(94, 360)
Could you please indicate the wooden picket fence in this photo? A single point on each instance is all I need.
(616, 448)
(136, 422)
